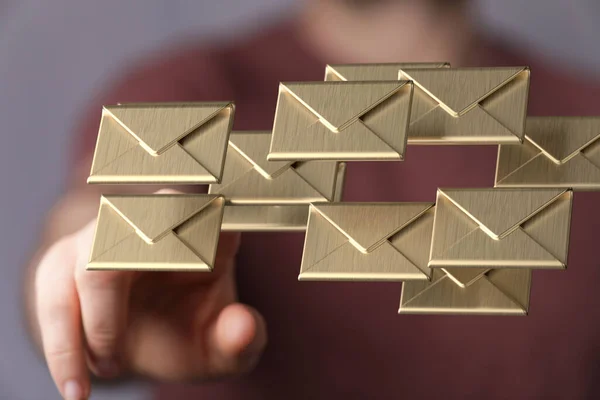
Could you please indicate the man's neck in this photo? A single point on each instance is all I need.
(405, 31)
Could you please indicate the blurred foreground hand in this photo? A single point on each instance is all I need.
(169, 326)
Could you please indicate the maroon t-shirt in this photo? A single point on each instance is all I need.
(346, 340)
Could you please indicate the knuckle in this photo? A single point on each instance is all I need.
(59, 354)
(54, 256)
(54, 265)
(102, 339)
(96, 279)
(54, 311)
(53, 307)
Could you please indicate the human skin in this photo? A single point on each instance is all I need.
(195, 329)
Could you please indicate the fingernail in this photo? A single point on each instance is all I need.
(107, 368)
(73, 391)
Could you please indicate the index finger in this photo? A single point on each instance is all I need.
(103, 297)
(58, 313)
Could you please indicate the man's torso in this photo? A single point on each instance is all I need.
(333, 339)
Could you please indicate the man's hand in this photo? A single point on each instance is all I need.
(163, 325)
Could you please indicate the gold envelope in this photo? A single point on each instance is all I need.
(175, 143)
(267, 195)
(455, 105)
(500, 228)
(249, 178)
(367, 242)
(498, 292)
(468, 105)
(557, 152)
(374, 72)
(273, 217)
(161, 232)
(341, 121)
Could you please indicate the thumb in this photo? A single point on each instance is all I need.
(236, 339)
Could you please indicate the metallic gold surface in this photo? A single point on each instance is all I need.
(367, 242)
(498, 292)
(341, 121)
(468, 105)
(265, 218)
(161, 232)
(463, 277)
(557, 152)
(175, 143)
(456, 105)
(340, 182)
(249, 178)
(501, 228)
(374, 72)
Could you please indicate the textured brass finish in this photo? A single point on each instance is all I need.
(267, 195)
(456, 105)
(498, 228)
(498, 292)
(340, 181)
(341, 121)
(249, 178)
(463, 277)
(472, 252)
(157, 232)
(265, 218)
(367, 242)
(557, 152)
(162, 143)
(468, 105)
(374, 72)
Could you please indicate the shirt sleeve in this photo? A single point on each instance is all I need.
(189, 75)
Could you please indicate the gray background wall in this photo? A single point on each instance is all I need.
(48, 68)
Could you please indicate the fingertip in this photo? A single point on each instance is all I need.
(235, 329)
(75, 390)
(59, 319)
(240, 330)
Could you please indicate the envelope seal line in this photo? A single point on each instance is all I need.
(501, 223)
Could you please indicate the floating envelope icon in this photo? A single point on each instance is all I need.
(267, 195)
(454, 105)
(557, 152)
(498, 292)
(161, 232)
(497, 228)
(341, 121)
(175, 143)
(367, 241)
(468, 105)
(248, 176)
(374, 72)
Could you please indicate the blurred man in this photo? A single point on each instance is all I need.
(325, 340)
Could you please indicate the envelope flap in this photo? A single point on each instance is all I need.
(374, 72)
(499, 211)
(321, 175)
(561, 138)
(338, 104)
(459, 89)
(158, 126)
(514, 283)
(152, 216)
(367, 225)
(254, 147)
